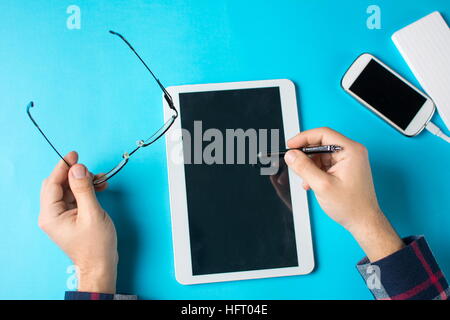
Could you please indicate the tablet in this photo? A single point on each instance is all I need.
(234, 217)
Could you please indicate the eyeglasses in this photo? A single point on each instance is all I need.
(140, 143)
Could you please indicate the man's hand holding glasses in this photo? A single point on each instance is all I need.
(73, 218)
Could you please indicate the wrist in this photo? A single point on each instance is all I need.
(376, 236)
(100, 280)
(369, 221)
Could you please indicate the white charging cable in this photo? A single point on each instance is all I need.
(436, 131)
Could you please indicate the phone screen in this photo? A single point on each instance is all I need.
(388, 94)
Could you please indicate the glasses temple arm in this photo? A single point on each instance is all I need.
(31, 105)
(167, 96)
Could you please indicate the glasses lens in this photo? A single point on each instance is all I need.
(111, 173)
(161, 131)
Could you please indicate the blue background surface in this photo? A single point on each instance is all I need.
(93, 96)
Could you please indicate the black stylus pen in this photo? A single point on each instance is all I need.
(306, 150)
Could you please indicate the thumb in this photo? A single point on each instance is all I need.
(306, 168)
(80, 182)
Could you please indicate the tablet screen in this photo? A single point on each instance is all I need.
(239, 219)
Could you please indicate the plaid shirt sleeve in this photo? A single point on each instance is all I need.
(411, 273)
(79, 295)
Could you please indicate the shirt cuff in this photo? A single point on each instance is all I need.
(79, 295)
(411, 273)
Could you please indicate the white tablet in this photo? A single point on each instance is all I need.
(234, 217)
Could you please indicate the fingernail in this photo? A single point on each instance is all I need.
(289, 157)
(79, 172)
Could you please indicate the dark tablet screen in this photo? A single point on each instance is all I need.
(239, 219)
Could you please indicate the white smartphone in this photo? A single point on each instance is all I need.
(388, 95)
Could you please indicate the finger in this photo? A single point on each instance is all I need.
(68, 196)
(59, 174)
(52, 202)
(52, 191)
(317, 136)
(306, 168)
(317, 159)
(327, 161)
(102, 186)
(321, 136)
(83, 190)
